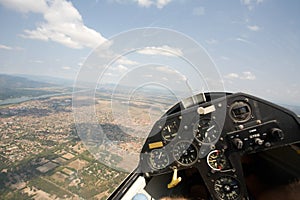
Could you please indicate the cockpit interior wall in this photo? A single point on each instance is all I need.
(198, 151)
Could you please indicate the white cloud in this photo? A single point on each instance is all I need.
(170, 73)
(125, 61)
(162, 3)
(120, 68)
(248, 76)
(244, 40)
(5, 47)
(146, 3)
(163, 50)
(199, 11)
(36, 6)
(158, 3)
(80, 64)
(116, 71)
(109, 74)
(63, 23)
(183, 77)
(246, 2)
(232, 76)
(250, 4)
(66, 68)
(244, 76)
(254, 28)
(166, 70)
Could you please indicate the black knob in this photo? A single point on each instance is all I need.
(277, 133)
(238, 143)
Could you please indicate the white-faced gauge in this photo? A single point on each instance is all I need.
(216, 160)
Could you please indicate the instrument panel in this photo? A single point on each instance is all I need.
(170, 130)
(185, 153)
(206, 130)
(212, 135)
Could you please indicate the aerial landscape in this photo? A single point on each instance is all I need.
(42, 155)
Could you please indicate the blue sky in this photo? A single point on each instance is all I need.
(254, 43)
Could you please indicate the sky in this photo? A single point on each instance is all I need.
(254, 44)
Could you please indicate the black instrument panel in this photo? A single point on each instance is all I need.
(213, 135)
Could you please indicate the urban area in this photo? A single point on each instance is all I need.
(43, 157)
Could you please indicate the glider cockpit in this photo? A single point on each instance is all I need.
(217, 146)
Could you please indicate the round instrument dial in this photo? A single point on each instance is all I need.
(170, 131)
(227, 188)
(216, 160)
(158, 159)
(240, 111)
(206, 131)
(185, 153)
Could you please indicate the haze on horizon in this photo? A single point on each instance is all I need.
(253, 43)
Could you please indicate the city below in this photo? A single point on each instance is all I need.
(43, 157)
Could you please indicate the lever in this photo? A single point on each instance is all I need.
(175, 180)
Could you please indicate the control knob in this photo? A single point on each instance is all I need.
(277, 134)
(238, 143)
(258, 141)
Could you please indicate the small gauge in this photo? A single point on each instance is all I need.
(227, 188)
(170, 131)
(185, 153)
(158, 159)
(240, 111)
(216, 160)
(206, 131)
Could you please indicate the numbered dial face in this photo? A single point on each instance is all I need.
(240, 111)
(227, 188)
(185, 153)
(158, 159)
(216, 160)
(170, 131)
(206, 131)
